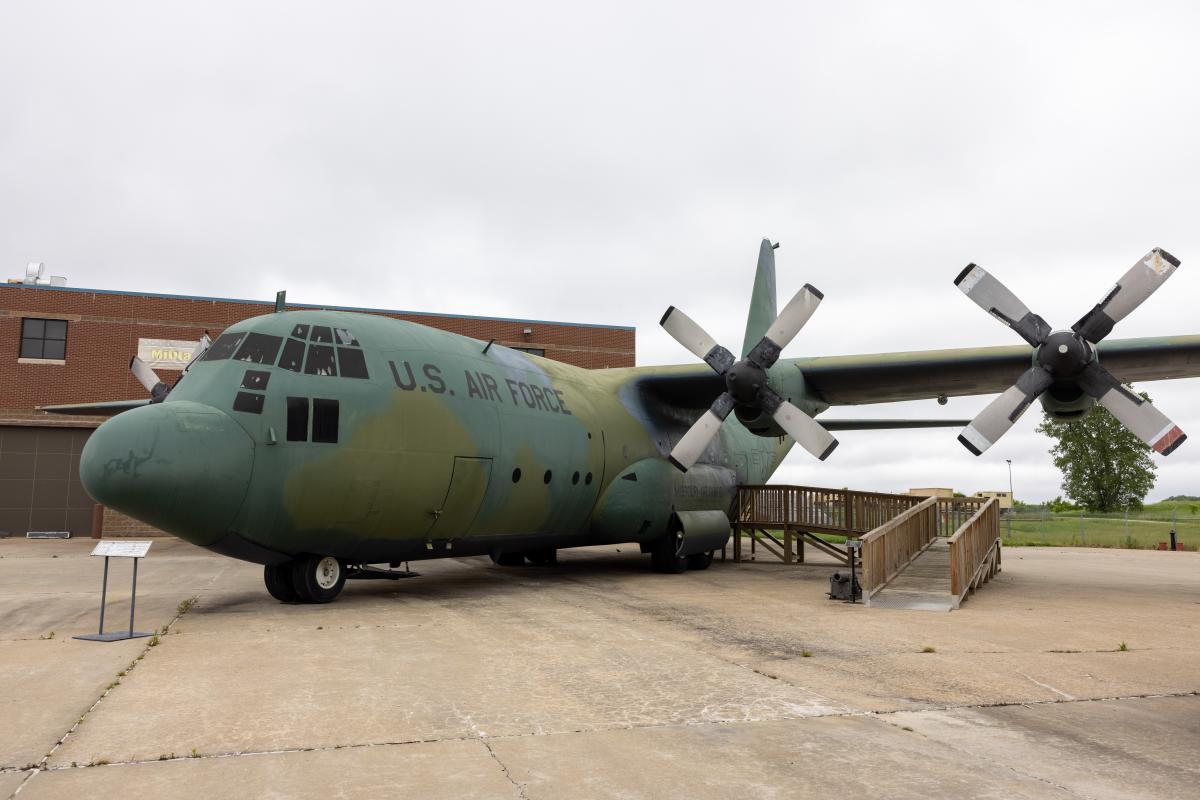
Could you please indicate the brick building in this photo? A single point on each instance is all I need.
(67, 345)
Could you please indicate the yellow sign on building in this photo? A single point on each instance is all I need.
(165, 353)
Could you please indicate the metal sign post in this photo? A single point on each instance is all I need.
(852, 546)
(118, 549)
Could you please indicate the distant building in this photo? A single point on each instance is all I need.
(936, 491)
(1005, 498)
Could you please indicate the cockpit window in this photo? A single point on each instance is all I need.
(320, 333)
(300, 331)
(223, 347)
(352, 362)
(345, 337)
(320, 360)
(259, 348)
(293, 355)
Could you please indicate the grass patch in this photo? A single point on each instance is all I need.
(1122, 647)
(806, 653)
(928, 649)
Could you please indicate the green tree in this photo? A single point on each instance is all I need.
(1104, 466)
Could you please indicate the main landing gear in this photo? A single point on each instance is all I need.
(664, 557)
(306, 579)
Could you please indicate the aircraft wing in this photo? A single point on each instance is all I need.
(891, 377)
(96, 409)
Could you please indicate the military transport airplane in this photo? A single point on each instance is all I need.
(320, 443)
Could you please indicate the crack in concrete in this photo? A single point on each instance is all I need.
(520, 789)
(184, 607)
(476, 735)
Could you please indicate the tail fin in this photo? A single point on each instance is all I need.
(762, 302)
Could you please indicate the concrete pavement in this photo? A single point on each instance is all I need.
(598, 678)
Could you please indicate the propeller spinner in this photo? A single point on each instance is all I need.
(1070, 356)
(746, 380)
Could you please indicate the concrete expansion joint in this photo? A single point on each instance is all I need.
(42, 765)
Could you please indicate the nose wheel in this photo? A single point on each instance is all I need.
(306, 579)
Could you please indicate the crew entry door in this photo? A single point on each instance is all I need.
(468, 485)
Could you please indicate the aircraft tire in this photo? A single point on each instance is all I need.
(278, 578)
(542, 558)
(508, 559)
(664, 559)
(318, 579)
(700, 560)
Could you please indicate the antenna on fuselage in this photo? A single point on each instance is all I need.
(488, 346)
(280, 300)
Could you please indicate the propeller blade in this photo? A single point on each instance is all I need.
(807, 432)
(149, 379)
(685, 331)
(1000, 414)
(1141, 417)
(794, 316)
(994, 297)
(1141, 281)
(693, 443)
(145, 376)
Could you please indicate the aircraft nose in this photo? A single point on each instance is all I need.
(182, 467)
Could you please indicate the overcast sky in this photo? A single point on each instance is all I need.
(599, 163)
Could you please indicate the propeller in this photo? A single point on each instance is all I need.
(1069, 357)
(746, 380)
(155, 385)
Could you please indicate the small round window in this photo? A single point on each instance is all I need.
(546, 477)
(516, 474)
(587, 479)
(575, 478)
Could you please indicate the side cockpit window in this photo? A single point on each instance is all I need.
(352, 362)
(223, 347)
(297, 419)
(293, 354)
(320, 360)
(259, 348)
(324, 420)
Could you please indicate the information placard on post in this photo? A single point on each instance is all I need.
(121, 549)
(118, 548)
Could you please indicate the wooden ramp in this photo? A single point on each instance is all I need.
(924, 585)
(907, 565)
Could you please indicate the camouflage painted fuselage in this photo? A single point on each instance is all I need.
(442, 449)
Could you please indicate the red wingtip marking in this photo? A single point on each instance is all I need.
(1167, 443)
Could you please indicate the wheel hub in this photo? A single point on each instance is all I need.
(328, 572)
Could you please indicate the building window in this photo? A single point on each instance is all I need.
(44, 338)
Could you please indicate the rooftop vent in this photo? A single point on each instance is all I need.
(35, 275)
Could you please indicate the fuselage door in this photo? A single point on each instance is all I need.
(468, 484)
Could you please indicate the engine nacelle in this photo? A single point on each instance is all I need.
(1066, 402)
(757, 422)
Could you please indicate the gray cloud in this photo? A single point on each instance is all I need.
(597, 164)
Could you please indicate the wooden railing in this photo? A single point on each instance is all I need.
(819, 510)
(954, 511)
(975, 550)
(890, 547)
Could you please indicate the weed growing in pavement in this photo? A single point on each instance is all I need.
(928, 649)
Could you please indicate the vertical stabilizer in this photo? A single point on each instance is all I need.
(762, 301)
